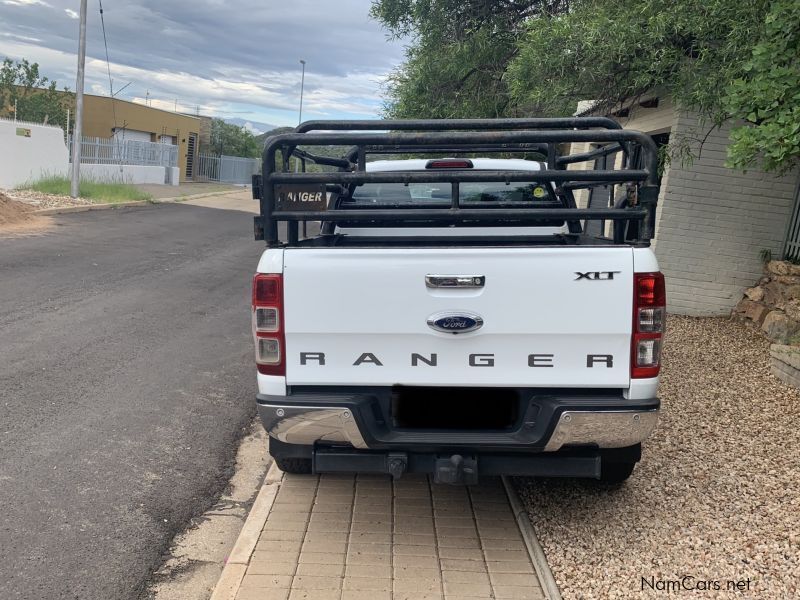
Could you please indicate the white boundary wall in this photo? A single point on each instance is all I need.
(38, 151)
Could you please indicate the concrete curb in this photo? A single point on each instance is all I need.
(535, 550)
(228, 585)
(87, 207)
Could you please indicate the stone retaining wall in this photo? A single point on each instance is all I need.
(773, 305)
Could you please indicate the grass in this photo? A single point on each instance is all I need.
(95, 191)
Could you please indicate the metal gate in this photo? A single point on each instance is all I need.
(191, 149)
(791, 245)
(226, 169)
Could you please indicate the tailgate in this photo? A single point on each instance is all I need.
(360, 317)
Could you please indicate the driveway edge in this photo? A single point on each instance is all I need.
(87, 207)
(235, 567)
(535, 550)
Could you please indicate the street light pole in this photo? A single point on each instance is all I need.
(302, 84)
(77, 132)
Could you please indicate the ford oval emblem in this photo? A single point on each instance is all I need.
(455, 322)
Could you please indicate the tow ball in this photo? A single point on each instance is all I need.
(456, 470)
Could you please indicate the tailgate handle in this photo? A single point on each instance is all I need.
(455, 281)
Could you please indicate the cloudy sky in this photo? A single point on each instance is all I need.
(231, 58)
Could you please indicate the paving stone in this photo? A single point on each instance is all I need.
(329, 527)
(316, 582)
(480, 577)
(510, 566)
(266, 581)
(403, 549)
(517, 592)
(382, 572)
(463, 532)
(455, 564)
(400, 595)
(248, 593)
(461, 522)
(366, 595)
(274, 556)
(289, 546)
(460, 553)
(315, 595)
(264, 567)
(322, 558)
(370, 538)
(369, 559)
(277, 535)
(459, 542)
(417, 584)
(514, 579)
(412, 561)
(459, 590)
(368, 583)
(336, 570)
(500, 555)
(431, 572)
(356, 548)
(415, 539)
(325, 546)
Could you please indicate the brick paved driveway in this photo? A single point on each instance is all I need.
(370, 538)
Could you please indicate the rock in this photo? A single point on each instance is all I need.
(764, 280)
(788, 279)
(789, 355)
(773, 294)
(792, 309)
(756, 312)
(780, 328)
(785, 363)
(756, 294)
(742, 306)
(794, 269)
(778, 267)
(790, 292)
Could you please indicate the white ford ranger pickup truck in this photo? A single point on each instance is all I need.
(454, 313)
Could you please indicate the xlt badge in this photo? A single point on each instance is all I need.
(455, 322)
(596, 275)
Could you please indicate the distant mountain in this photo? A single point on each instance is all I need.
(255, 127)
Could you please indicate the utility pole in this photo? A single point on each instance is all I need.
(302, 84)
(77, 132)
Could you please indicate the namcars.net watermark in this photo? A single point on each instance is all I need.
(689, 583)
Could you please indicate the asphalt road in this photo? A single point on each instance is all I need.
(126, 380)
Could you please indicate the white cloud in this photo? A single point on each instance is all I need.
(25, 2)
(71, 13)
(233, 58)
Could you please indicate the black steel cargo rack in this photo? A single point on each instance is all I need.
(633, 215)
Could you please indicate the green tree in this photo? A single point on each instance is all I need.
(37, 98)
(767, 95)
(455, 66)
(729, 61)
(233, 140)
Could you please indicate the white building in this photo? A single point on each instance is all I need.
(714, 224)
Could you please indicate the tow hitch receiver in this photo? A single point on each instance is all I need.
(456, 470)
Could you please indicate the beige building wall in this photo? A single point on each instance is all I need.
(100, 118)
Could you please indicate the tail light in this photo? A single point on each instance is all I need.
(268, 333)
(649, 312)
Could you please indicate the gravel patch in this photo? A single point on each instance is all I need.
(40, 200)
(716, 496)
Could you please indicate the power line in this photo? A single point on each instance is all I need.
(108, 66)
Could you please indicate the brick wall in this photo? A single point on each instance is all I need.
(714, 221)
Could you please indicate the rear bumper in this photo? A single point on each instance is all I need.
(550, 422)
